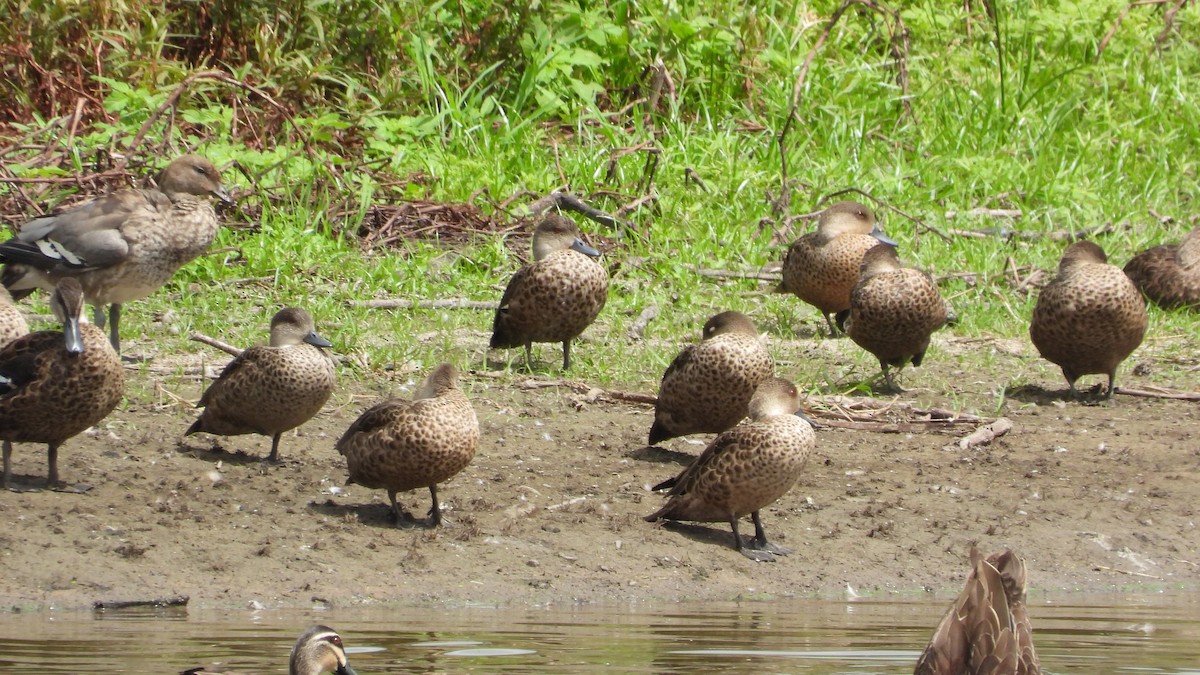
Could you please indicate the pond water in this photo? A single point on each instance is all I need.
(1119, 634)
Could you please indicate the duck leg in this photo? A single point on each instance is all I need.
(114, 318)
(7, 464)
(566, 355)
(1112, 386)
(754, 554)
(274, 456)
(760, 538)
(52, 476)
(435, 511)
(529, 356)
(833, 331)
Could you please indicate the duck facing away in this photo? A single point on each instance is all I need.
(987, 629)
(822, 267)
(403, 445)
(745, 469)
(318, 651)
(893, 311)
(271, 389)
(121, 247)
(554, 298)
(53, 384)
(12, 322)
(1169, 275)
(1089, 318)
(707, 388)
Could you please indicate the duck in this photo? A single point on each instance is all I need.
(12, 322)
(1089, 318)
(56, 384)
(317, 651)
(400, 445)
(1169, 275)
(822, 267)
(987, 629)
(554, 298)
(893, 311)
(121, 247)
(271, 389)
(707, 387)
(745, 469)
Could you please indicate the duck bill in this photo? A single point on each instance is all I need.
(806, 418)
(345, 669)
(223, 194)
(73, 336)
(878, 234)
(317, 341)
(583, 248)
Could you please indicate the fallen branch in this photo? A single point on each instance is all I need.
(730, 274)
(1157, 392)
(444, 303)
(983, 435)
(175, 601)
(921, 426)
(638, 328)
(990, 213)
(879, 202)
(569, 202)
(213, 342)
(591, 392)
(1102, 568)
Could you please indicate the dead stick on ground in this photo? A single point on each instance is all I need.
(1164, 393)
(213, 342)
(730, 274)
(444, 303)
(886, 427)
(177, 601)
(1135, 574)
(638, 328)
(629, 396)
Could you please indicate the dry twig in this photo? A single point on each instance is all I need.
(213, 342)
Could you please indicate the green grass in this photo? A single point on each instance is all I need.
(1071, 142)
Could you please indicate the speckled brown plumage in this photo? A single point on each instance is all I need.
(12, 322)
(554, 298)
(987, 629)
(53, 384)
(707, 388)
(821, 267)
(271, 389)
(1090, 317)
(121, 247)
(317, 651)
(893, 311)
(403, 445)
(745, 469)
(1169, 275)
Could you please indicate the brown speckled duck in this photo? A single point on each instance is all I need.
(893, 311)
(121, 247)
(707, 388)
(821, 267)
(987, 629)
(12, 322)
(271, 389)
(403, 445)
(53, 385)
(1090, 317)
(1169, 275)
(554, 298)
(318, 651)
(745, 469)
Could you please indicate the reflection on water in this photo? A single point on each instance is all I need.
(1137, 634)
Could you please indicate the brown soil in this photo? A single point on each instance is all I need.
(1095, 498)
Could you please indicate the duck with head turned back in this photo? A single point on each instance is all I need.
(707, 388)
(1089, 318)
(987, 629)
(121, 247)
(271, 389)
(318, 651)
(403, 445)
(12, 322)
(1169, 275)
(554, 298)
(745, 469)
(53, 384)
(822, 266)
(893, 311)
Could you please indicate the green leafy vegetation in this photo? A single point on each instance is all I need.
(327, 112)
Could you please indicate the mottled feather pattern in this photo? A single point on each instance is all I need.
(1169, 275)
(12, 322)
(551, 300)
(894, 313)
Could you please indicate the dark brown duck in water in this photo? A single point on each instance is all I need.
(1089, 318)
(745, 469)
(318, 651)
(12, 322)
(707, 388)
(1169, 275)
(403, 445)
(271, 389)
(893, 311)
(53, 384)
(987, 629)
(121, 247)
(554, 298)
(822, 267)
